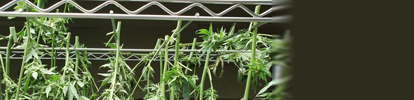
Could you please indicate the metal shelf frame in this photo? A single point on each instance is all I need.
(135, 14)
(102, 53)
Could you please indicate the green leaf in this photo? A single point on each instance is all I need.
(81, 84)
(211, 29)
(232, 29)
(65, 90)
(84, 98)
(203, 31)
(104, 74)
(186, 91)
(112, 45)
(34, 74)
(44, 71)
(48, 90)
(105, 81)
(54, 78)
(73, 90)
(272, 83)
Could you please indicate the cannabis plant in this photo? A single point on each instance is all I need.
(118, 76)
(281, 56)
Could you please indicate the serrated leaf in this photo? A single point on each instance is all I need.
(54, 78)
(186, 92)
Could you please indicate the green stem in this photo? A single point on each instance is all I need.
(164, 70)
(77, 61)
(211, 82)
(160, 54)
(191, 53)
(67, 50)
(8, 51)
(52, 55)
(1, 70)
(253, 59)
(40, 3)
(28, 41)
(67, 56)
(204, 74)
(118, 35)
(77, 54)
(177, 51)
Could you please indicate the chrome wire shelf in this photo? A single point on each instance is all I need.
(103, 53)
(133, 54)
(136, 14)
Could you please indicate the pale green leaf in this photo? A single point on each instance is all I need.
(272, 83)
(34, 74)
(44, 71)
(84, 98)
(48, 90)
(81, 84)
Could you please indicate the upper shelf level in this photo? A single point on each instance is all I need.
(171, 15)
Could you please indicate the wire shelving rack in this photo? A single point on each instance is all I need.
(133, 55)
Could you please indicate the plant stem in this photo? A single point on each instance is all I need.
(177, 48)
(67, 56)
(1, 70)
(253, 58)
(40, 3)
(204, 74)
(77, 61)
(77, 54)
(164, 70)
(211, 82)
(4, 74)
(8, 51)
(118, 35)
(53, 59)
(159, 41)
(28, 41)
(191, 53)
(67, 50)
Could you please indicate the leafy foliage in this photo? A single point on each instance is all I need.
(281, 56)
(210, 94)
(118, 75)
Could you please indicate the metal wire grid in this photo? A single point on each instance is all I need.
(135, 14)
(98, 54)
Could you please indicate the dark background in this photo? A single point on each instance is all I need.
(143, 34)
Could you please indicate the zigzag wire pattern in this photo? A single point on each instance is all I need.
(139, 10)
(93, 56)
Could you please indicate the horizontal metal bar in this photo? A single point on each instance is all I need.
(261, 2)
(279, 19)
(131, 50)
(282, 19)
(48, 58)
